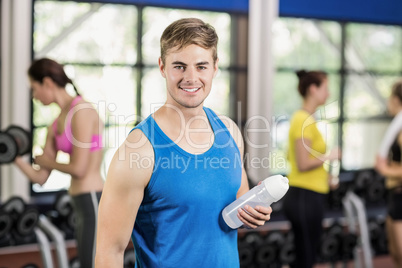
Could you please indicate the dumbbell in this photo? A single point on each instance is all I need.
(6, 223)
(378, 236)
(24, 219)
(376, 189)
(8, 148)
(348, 243)
(247, 248)
(63, 204)
(331, 242)
(64, 207)
(129, 258)
(370, 186)
(246, 254)
(268, 253)
(62, 215)
(287, 253)
(335, 196)
(13, 142)
(362, 180)
(27, 221)
(14, 207)
(75, 263)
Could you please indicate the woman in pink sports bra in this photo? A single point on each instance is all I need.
(78, 132)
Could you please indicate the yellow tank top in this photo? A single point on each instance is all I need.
(304, 126)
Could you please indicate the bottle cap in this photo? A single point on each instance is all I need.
(277, 186)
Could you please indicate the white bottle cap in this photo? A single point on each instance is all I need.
(277, 186)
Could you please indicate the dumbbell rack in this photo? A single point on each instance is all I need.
(43, 231)
(46, 226)
(44, 247)
(355, 213)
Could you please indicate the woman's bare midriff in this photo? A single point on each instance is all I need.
(92, 181)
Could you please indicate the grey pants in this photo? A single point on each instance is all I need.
(86, 210)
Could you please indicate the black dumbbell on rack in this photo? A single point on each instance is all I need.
(62, 215)
(129, 258)
(267, 255)
(247, 246)
(6, 223)
(14, 141)
(330, 246)
(287, 252)
(22, 220)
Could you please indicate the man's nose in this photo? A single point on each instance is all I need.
(190, 75)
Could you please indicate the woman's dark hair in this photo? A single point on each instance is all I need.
(308, 78)
(397, 90)
(45, 67)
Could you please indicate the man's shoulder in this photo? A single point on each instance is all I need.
(138, 142)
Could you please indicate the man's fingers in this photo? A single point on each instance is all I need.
(254, 217)
(264, 210)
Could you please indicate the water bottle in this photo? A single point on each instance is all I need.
(272, 189)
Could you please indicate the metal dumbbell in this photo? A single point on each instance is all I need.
(14, 141)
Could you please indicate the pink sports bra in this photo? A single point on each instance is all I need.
(64, 141)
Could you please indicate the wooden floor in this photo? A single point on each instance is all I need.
(378, 262)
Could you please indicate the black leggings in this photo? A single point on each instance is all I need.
(394, 204)
(86, 209)
(305, 210)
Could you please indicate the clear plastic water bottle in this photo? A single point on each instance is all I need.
(272, 189)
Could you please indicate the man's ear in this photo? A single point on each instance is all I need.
(216, 67)
(161, 67)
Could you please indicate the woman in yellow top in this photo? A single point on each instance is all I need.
(304, 202)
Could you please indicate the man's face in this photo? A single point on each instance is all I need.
(188, 73)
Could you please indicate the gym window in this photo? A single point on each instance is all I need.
(111, 51)
(362, 60)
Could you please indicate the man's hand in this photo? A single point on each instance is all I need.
(254, 217)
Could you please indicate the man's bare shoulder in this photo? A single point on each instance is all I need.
(137, 143)
(133, 159)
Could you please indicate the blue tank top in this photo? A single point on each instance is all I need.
(179, 222)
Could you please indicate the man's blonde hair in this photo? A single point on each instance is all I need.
(189, 31)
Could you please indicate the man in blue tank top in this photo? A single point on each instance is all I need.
(169, 182)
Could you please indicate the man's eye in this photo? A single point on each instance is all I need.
(179, 67)
(202, 67)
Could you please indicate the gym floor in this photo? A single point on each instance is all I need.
(378, 262)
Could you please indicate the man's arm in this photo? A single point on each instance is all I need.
(121, 197)
(257, 216)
